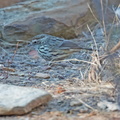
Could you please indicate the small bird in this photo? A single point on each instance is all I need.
(53, 48)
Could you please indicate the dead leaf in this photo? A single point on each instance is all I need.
(59, 90)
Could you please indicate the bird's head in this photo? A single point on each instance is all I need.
(37, 41)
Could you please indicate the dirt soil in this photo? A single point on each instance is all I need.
(74, 96)
(6, 3)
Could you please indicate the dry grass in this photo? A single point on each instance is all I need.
(98, 65)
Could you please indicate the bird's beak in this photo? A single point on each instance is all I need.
(29, 44)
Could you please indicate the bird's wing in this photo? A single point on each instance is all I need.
(68, 45)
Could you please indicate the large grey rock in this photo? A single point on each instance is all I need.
(25, 30)
(15, 100)
(63, 18)
(64, 11)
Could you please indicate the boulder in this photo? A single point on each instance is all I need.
(25, 30)
(61, 18)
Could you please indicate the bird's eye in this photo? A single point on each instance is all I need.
(35, 41)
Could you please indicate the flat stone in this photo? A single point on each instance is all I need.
(75, 103)
(1, 77)
(108, 105)
(15, 100)
(18, 73)
(42, 75)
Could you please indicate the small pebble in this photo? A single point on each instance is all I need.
(1, 66)
(84, 110)
(1, 77)
(42, 75)
(75, 103)
(108, 105)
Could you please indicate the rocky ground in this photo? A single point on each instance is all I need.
(74, 96)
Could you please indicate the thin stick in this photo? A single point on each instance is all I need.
(77, 60)
(93, 14)
(87, 105)
(92, 37)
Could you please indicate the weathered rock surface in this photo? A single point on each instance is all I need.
(15, 100)
(57, 18)
(25, 30)
(5, 3)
